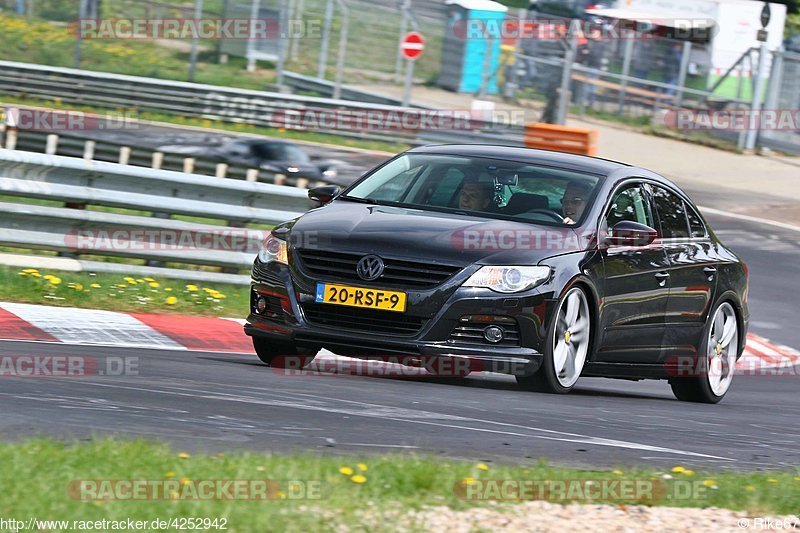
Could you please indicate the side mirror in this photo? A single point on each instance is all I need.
(628, 233)
(323, 194)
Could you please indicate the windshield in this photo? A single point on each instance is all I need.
(280, 152)
(480, 186)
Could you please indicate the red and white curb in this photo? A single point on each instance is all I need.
(92, 327)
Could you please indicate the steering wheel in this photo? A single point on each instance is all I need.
(548, 212)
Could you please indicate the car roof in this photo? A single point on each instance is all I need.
(594, 165)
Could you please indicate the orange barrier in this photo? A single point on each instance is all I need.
(561, 138)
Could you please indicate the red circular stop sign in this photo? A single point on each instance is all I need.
(412, 46)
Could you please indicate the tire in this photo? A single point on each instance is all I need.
(716, 359)
(282, 354)
(570, 329)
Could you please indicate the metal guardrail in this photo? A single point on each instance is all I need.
(259, 108)
(153, 236)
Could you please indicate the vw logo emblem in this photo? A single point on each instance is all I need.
(370, 267)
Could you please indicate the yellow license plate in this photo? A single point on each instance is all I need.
(330, 293)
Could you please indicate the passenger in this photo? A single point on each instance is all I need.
(574, 201)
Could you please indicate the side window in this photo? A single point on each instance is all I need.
(630, 203)
(696, 225)
(672, 214)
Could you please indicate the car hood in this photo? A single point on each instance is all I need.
(414, 234)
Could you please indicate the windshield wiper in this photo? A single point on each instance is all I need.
(360, 200)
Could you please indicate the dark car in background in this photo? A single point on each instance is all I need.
(544, 265)
(271, 156)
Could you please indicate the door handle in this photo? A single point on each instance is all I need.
(710, 270)
(662, 278)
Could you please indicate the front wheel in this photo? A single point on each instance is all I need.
(567, 346)
(282, 354)
(716, 360)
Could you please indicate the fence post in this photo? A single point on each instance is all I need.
(188, 165)
(626, 69)
(337, 88)
(326, 35)
(158, 160)
(51, 146)
(252, 174)
(755, 107)
(687, 50)
(302, 183)
(398, 63)
(566, 76)
(298, 17)
(222, 170)
(88, 150)
(124, 155)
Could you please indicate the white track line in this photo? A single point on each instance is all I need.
(749, 218)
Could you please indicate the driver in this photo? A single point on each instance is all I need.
(574, 200)
(475, 195)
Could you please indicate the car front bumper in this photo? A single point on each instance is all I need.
(291, 325)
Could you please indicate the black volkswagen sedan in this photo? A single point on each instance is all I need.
(544, 265)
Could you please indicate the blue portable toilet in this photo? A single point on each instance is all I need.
(465, 46)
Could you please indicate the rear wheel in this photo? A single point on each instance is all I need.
(716, 360)
(567, 346)
(282, 354)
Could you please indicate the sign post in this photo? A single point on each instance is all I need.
(755, 107)
(411, 47)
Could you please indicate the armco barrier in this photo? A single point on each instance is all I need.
(232, 204)
(569, 139)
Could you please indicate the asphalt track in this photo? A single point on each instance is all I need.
(219, 402)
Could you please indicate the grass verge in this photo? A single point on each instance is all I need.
(311, 493)
(121, 293)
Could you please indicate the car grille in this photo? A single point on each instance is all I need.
(472, 333)
(366, 320)
(406, 274)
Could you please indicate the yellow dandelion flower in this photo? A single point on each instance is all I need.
(192, 288)
(346, 470)
(469, 480)
(23, 273)
(771, 480)
(96, 286)
(77, 286)
(678, 469)
(617, 472)
(185, 481)
(688, 472)
(481, 466)
(171, 300)
(358, 478)
(36, 275)
(183, 455)
(55, 281)
(362, 467)
(168, 289)
(749, 487)
(154, 284)
(169, 474)
(220, 455)
(150, 280)
(709, 483)
(30, 270)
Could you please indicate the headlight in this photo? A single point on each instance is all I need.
(330, 173)
(273, 249)
(508, 278)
